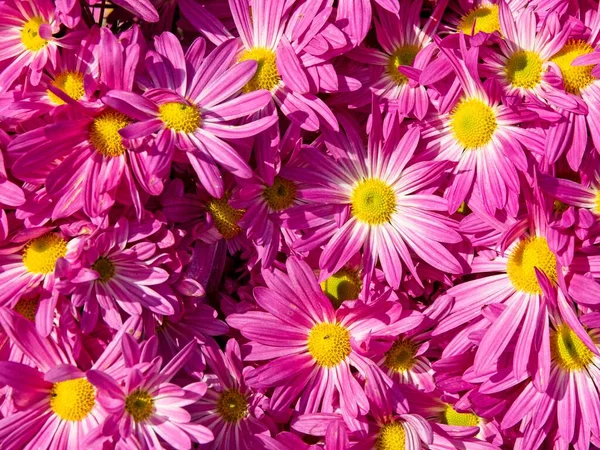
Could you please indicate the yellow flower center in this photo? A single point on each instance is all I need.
(329, 344)
(526, 256)
(524, 69)
(568, 351)
(139, 405)
(28, 307)
(457, 419)
(392, 436)
(373, 201)
(575, 78)
(473, 123)
(266, 75)
(281, 194)
(341, 286)
(232, 406)
(30, 34)
(559, 207)
(72, 399)
(40, 254)
(104, 133)
(180, 116)
(225, 217)
(596, 207)
(404, 56)
(71, 83)
(401, 356)
(105, 269)
(485, 17)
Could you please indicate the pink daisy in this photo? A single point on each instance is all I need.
(190, 103)
(315, 348)
(366, 198)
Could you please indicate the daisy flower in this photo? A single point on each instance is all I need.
(190, 103)
(94, 162)
(118, 271)
(484, 137)
(143, 407)
(56, 403)
(315, 348)
(234, 412)
(30, 263)
(366, 198)
(567, 412)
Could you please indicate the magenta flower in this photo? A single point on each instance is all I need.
(190, 103)
(315, 346)
(143, 407)
(368, 198)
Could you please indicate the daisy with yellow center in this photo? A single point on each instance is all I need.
(343, 285)
(483, 18)
(483, 136)
(317, 341)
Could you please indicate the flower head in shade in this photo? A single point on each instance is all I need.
(143, 407)
(84, 161)
(54, 400)
(484, 137)
(315, 348)
(378, 200)
(190, 103)
(30, 263)
(234, 412)
(119, 270)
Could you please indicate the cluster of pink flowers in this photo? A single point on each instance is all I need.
(299, 224)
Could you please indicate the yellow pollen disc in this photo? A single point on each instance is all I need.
(105, 269)
(404, 56)
(457, 419)
(71, 83)
(232, 406)
(266, 75)
(281, 194)
(568, 351)
(392, 436)
(28, 307)
(225, 217)
(30, 34)
(373, 201)
(575, 78)
(527, 255)
(401, 356)
(40, 254)
(473, 123)
(524, 69)
(180, 116)
(485, 17)
(329, 344)
(104, 133)
(139, 405)
(341, 286)
(596, 207)
(72, 399)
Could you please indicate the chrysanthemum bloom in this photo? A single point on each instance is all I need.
(291, 46)
(234, 412)
(523, 64)
(118, 270)
(484, 137)
(472, 17)
(57, 405)
(30, 263)
(568, 411)
(264, 205)
(405, 43)
(369, 198)
(191, 102)
(315, 346)
(27, 28)
(144, 407)
(94, 162)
